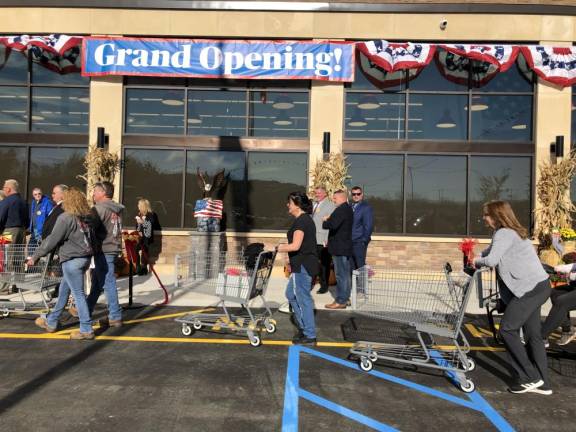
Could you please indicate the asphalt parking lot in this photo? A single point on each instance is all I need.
(147, 376)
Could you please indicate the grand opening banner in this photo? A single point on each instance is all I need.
(239, 59)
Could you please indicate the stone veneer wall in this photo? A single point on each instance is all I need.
(393, 253)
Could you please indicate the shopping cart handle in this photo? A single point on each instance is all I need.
(447, 268)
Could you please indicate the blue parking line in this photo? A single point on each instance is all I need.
(293, 392)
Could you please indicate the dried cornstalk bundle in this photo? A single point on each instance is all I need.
(330, 174)
(552, 192)
(100, 166)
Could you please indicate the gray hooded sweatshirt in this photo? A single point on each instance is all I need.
(110, 213)
(73, 236)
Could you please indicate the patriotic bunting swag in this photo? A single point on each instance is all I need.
(555, 65)
(59, 53)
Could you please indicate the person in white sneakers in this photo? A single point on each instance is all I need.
(519, 267)
(563, 301)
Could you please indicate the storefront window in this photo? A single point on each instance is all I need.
(50, 166)
(437, 117)
(157, 176)
(63, 109)
(13, 161)
(271, 177)
(15, 70)
(499, 178)
(381, 178)
(218, 108)
(13, 109)
(379, 115)
(233, 194)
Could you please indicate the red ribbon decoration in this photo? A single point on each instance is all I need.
(3, 241)
(467, 248)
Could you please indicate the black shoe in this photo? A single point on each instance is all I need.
(298, 335)
(323, 290)
(525, 388)
(544, 390)
(304, 341)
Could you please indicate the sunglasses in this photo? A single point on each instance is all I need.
(356, 193)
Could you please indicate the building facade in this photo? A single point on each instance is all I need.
(428, 150)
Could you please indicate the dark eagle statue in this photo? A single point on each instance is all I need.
(209, 188)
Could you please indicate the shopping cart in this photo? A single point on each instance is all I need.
(234, 278)
(21, 281)
(431, 304)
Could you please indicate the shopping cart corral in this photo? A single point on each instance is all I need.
(432, 304)
(21, 281)
(240, 280)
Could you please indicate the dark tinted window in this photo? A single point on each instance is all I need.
(63, 109)
(154, 111)
(436, 195)
(278, 114)
(13, 109)
(437, 117)
(499, 178)
(13, 163)
(380, 176)
(216, 112)
(505, 118)
(375, 115)
(234, 193)
(157, 176)
(50, 166)
(271, 177)
(15, 70)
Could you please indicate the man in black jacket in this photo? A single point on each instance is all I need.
(57, 210)
(339, 224)
(14, 213)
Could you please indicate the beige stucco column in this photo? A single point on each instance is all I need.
(326, 115)
(106, 112)
(553, 118)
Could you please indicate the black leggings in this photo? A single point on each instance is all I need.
(563, 301)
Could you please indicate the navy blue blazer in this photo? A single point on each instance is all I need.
(363, 222)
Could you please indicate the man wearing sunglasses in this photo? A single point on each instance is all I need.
(361, 227)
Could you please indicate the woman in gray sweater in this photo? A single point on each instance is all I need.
(514, 256)
(72, 233)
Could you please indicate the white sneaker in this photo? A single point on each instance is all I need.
(543, 390)
(525, 388)
(284, 308)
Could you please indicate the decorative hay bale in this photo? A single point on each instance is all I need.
(550, 257)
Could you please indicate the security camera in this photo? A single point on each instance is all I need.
(443, 24)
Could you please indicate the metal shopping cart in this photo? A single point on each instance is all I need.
(234, 278)
(431, 304)
(39, 280)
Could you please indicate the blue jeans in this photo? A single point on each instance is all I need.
(343, 278)
(298, 294)
(72, 281)
(104, 279)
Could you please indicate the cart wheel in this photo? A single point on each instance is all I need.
(373, 357)
(270, 327)
(197, 325)
(366, 364)
(5, 314)
(471, 365)
(469, 387)
(186, 330)
(255, 341)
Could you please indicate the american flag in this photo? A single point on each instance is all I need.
(208, 208)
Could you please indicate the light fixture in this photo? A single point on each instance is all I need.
(282, 120)
(130, 120)
(38, 117)
(193, 117)
(172, 102)
(84, 99)
(368, 103)
(283, 102)
(520, 126)
(446, 121)
(477, 105)
(357, 120)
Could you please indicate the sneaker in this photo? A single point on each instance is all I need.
(73, 311)
(114, 323)
(42, 323)
(297, 336)
(543, 390)
(524, 388)
(78, 335)
(284, 308)
(304, 341)
(567, 337)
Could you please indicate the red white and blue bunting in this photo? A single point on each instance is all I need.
(382, 62)
(56, 52)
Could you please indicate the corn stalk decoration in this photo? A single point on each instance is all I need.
(553, 194)
(100, 165)
(331, 174)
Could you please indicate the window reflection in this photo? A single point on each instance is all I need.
(44, 75)
(50, 166)
(271, 177)
(13, 109)
(62, 109)
(499, 178)
(437, 117)
(13, 163)
(380, 176)
(157, 176)
(234, 194)
(375, 115)
(506, 118)
(216, 112)
(430, 79)
(368, 76)
(154, 111)
(15, 70)
(436, 195)
(275, 114)
(510, 81)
